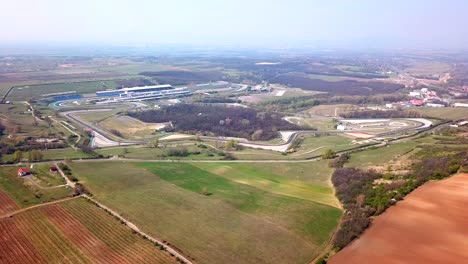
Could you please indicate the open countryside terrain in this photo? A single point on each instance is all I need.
(282, 217)
(429, 226)
(243, 173)
(28, 191)
(73, 231)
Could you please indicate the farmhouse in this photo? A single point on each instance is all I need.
(23, 171)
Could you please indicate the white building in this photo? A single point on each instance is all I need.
(460, 104)
(435, 105)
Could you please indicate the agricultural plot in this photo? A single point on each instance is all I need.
(272, 217)
(7, 204)
(405, 232)
(73, 231)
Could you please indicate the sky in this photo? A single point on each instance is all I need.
(257, 23)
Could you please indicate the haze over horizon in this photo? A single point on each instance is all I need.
(431, 24)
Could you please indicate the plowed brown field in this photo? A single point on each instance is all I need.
(429, 226)
(6, 203)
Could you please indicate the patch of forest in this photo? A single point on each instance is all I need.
(219, 120)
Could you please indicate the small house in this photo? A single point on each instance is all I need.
(53, 169)
(23, 171)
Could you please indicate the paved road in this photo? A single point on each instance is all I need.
(71, 131)
(101, 137)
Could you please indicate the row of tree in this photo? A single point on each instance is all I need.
(33, 155)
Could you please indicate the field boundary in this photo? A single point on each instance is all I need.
(11, 214)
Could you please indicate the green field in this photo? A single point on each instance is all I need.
(25, 194)
(452, 113)
(313, 146)
(44, 177)
(379, 156)
(226, 212)
(33, 91)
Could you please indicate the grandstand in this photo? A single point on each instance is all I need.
(63, 96)
(126, 91)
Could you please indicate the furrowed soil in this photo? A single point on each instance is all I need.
(428, 226)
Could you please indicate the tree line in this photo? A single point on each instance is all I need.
(219, 120)
(363, 198)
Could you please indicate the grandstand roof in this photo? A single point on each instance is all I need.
(147, 87)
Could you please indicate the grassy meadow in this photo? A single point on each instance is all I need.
(276, 212)
(24, 193)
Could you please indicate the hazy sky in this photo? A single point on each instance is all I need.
(391, 23)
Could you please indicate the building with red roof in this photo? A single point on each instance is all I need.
(23, 171)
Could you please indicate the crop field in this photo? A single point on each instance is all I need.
(73, 231)
(6, 203)
(276, 213)
(416, 224)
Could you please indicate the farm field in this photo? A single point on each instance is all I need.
(73, 231)
(406, 232)
(272, 218)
